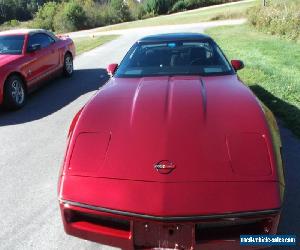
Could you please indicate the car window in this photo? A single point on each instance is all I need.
(43, 39)
(174, 58)
(11, 44)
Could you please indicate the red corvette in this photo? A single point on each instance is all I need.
(173, 152)
(28, 58)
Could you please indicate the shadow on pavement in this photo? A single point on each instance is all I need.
(290, 218)
(55, 95)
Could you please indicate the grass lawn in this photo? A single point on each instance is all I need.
(236, 10)
(272, 68)
(88, 43)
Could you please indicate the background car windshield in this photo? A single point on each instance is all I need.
(11, 44)
(174, 58)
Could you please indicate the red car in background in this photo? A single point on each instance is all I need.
(173, 152)
(28, 58)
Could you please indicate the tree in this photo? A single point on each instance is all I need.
(121, 10)
(71, 17)
(158, 7)
(44, 16)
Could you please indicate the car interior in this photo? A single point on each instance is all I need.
(175, 58)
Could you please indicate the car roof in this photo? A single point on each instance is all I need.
(27, 32)
(23, 31)
(174, 37)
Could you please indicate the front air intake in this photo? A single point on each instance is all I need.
(230, 229)
(107, 222)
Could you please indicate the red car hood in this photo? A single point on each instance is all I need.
(209, 128)
(5, 59)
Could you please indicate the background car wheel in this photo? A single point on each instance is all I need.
(14, 93)
(68, 65)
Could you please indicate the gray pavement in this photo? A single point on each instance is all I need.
(32, 143)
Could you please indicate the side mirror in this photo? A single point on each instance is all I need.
(237, 64)
(34, 47)
(111, 69)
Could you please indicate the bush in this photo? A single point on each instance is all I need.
(157, 7)
(71, 17)
(192, 4)
(136, 9)
(12, 23)
(179, 6)
(93, 12)
(44, 16)
(278, 18)
(121, 10)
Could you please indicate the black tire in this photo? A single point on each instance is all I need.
(14, 93)
(68, 68)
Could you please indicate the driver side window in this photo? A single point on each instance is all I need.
(42, 39)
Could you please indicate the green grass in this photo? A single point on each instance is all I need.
(272, 68)
(237, 10)
(88, 43)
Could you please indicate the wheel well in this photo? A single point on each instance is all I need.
(19, 75)
(68, 52)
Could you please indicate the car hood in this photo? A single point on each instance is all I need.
(5, 59)
(206, 128)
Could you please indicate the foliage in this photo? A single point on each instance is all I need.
(192, 4)
(156, 7)
(71, 15)
(121, 10)
(44, 16)
(136, 9)
(93, 14)
(279, 17)
(199, 15)
(179, 6)
(12, 23)
(21, 10)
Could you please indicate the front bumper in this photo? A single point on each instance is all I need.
(136, 231)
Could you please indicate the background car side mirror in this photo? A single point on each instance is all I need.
(237, 64)
(34, 47)
(111, 69)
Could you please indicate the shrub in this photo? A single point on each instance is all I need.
(71, 17)
(192, 4)
(44, 16)
(157, 7)
(109, 15)
(179, 6)
(136, 9)
(121, 10)
(92, 12)
(12, 23)
(278, 18)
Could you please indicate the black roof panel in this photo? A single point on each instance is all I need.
(174, 37)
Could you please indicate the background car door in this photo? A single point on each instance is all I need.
(43, 61)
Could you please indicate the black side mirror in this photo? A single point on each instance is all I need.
(34, 47)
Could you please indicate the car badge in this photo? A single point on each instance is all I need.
(164, 167)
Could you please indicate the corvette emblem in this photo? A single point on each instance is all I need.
(164, 167)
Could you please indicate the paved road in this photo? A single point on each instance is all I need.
(33, 142)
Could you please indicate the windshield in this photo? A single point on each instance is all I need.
(174, 58)
(11, 44)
